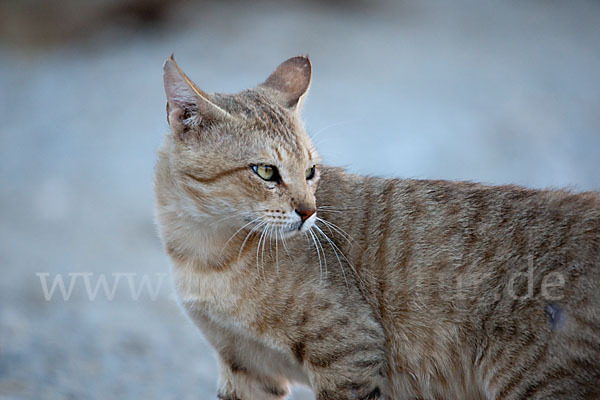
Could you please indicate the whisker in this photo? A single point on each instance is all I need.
(335, 251)
(258, 247)
(318, 255)
(276, 252)
(269, 234)
(333, 125)
(322, 252)
(248, 236)
(340, 231)
(345, 258)
(227, 217)
(325, 207)
(236, 232)
(320, 268)
(271, 240)
(284, 242)
(329, 229)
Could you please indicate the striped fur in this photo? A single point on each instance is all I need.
(400, 289)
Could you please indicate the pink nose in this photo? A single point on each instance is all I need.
(305, 213)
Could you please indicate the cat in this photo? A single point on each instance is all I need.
(362, 287)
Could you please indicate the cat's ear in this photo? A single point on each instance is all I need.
(188, 107)
(290, 82)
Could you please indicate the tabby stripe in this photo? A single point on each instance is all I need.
(481, 350)
(385, 224)
(476, 204)
(382, 251)
(299, 350)
(237, 368)
(586, 343)
(594, 326)
(554, 376)
(331, 330)
(512, 360)
(326, 360)
(216, 177)
(368, 363)
(222, 396)
(484, 323)
(513, 383)
(278, 154)
(365, 227)
(497, 353)
(274, 390)
(354, 388)
(536, 386)
(323, 333)
(371, 332)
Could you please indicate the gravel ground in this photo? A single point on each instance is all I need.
(499, 92)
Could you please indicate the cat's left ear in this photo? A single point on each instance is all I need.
(290, 82)
(188, 108)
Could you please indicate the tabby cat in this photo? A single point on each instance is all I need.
(361, 287)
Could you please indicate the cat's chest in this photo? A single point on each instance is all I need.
(225, 295)
(218, 305)
(215, 291)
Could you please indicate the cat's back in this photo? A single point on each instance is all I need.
(455, 233)
(413, 230)
(500, 283)
(465, 220)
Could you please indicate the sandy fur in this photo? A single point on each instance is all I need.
(408, 291)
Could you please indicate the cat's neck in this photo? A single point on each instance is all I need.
(200, 244)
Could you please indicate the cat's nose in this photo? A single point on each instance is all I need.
(305, 213)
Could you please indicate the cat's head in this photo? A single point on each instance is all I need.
(240, 160)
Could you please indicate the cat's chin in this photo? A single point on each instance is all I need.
(300, 228)
(290, 234)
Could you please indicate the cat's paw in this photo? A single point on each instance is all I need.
(353, 393)
(225, 396)
(375, 394)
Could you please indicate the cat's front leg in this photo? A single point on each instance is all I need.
(359, 375)
(349, 392)
(236, 382)
(343, 349)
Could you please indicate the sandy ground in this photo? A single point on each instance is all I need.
(499, 92)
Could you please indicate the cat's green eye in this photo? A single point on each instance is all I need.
(310, 173)
(267, 172)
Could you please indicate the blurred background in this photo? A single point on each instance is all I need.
(484, 90)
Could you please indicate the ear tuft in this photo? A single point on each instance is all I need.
(188, 107)
(291, 81)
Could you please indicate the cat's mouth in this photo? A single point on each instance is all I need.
(305, 226)
(288, 228)
(297, 228)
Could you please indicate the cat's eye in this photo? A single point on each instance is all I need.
(310, 173)
(266, 172)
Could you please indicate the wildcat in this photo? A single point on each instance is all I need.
(361, 287)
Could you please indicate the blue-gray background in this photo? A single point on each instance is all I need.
(491, 91)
